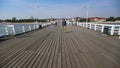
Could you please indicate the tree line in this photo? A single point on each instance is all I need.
(14, 20)
(107, 19)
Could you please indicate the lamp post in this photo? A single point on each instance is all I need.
(36, 13)
(86, 13)
(37, 17)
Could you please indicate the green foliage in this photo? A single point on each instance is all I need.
(14, 19)
(42, 20)
(8, 20)
(84, 20)
(111, 19)
(26, 20)
(117, 18)
(1, 20)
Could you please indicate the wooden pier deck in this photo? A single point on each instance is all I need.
(50, 47)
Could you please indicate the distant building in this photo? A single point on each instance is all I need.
(97, 19)
(118, 21)
(77, 18)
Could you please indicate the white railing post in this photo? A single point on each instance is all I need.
(37, 26)
(14, 30)
(119, 32)
(90, 26)
(6, 30)
(77, 23)
(82, 24)
(112, 30)
(86, 25)
(95, 27)
(30, 27)
(34, 27)
(23, 28)
(102, 28)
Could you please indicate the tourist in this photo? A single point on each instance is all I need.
(64, 25)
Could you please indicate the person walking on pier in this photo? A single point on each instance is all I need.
(64, 25)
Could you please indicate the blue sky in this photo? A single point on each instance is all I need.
(58, 8)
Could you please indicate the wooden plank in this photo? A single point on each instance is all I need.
(52, 48)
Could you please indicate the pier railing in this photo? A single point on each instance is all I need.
(110, 29)
(18, 28)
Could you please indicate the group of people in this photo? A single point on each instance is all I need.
(64, 24)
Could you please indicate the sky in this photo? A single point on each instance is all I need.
(58, 8)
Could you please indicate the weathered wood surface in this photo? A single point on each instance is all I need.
(52, 48)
